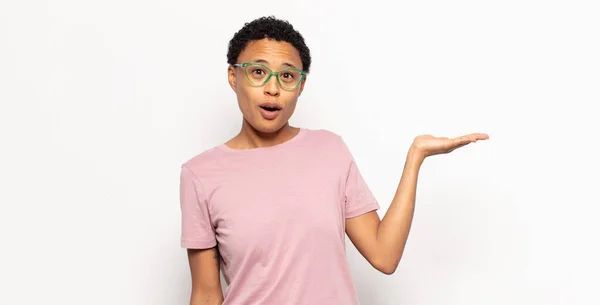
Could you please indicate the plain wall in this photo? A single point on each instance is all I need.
(102, 101)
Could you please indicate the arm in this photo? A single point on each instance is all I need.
(382, 242)
(206, 281)
(198, 237)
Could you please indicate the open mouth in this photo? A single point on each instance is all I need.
(270, 106)
(270, 109)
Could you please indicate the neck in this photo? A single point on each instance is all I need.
(249, 137)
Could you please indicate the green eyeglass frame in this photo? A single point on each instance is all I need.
(270, 73)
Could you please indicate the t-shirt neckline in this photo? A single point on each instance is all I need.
(297, 137)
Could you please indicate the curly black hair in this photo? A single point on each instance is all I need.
(272, 28)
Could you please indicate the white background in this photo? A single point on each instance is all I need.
(102, 101)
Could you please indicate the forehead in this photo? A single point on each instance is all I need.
(276, 53)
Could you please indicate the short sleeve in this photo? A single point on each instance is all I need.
(196, 229)
(359, 198)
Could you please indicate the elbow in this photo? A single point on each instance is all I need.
(387, 268)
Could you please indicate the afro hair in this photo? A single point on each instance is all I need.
(271, 28)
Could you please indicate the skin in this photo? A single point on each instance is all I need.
(206, 280)
(380, 241)
(257, 131)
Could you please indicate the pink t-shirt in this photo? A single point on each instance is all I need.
(278, 216)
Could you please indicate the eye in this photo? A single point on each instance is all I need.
(258, 72)
(288, 75)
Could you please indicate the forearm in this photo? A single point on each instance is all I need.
(206, 299)
(394, 228)
(206, 281)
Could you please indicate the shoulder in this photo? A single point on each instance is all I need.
(325, 136)
(330, 141)
(202, 162)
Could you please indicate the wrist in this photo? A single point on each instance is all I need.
(415, 155)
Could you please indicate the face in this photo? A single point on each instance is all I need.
(257, 102)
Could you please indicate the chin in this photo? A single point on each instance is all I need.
(267, 126)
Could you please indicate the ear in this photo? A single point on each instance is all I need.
(302, 85)
(231, 77)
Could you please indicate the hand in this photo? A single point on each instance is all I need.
(428, 145)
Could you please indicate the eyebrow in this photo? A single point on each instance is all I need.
(260, 60)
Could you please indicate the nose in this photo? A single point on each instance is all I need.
(272, 87)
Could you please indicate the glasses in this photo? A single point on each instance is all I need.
(258, 75)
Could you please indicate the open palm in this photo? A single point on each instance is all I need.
(429, 145)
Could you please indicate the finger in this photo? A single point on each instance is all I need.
(459, 146)
(462, 140)
(473, 137)
(479, 136)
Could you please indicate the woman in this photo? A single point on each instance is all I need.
(271, 207)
